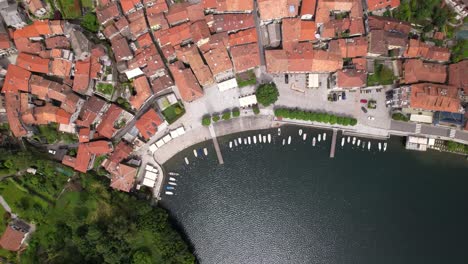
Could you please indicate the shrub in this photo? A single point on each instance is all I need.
(267, 94)
(215, 118)
(256, 110)
(236, 112)
(400, 117)
(206, 121)
(90, 22)
(226, 115)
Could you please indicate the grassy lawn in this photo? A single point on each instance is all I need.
(173, 112)
(382, 75)
(70, 8)
(105, 88)
(52, 135)
(246, 78)
(87, 3)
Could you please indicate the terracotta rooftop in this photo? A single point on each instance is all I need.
(90, 111)
(199, 31)
(107, 13)
(350, 78)
(343, 27)
(142, 90)
(84, 135)
(40, 28)
(148, 124)
(12, 239)
(190, 55)
(245, 57)
(417, 48)
(350, 47)
(195, 12)
(389, 24)
(458, 75)
(174, 35)
(123, 177)
(33, 63)
(107, 126)
(144, 40)
(308, 30)
(325, 7)
(177, 13)
(121, 49)
(373, 5)
(156, 20)
(58, 42)
(418, 71)
(161, 83)
(243, 37)
(229, 5)
(218, 59)
(308, 7)
(86, 151)
(60, 67)
(138, 27)
(275, 9)
(291, 30)
(187, 84)
(435, 97)
(16, 79)
(232, 22)
(26, 45)
(158, 6)
(121, 152)
(82, 76)
(129, 5)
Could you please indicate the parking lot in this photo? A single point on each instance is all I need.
(296, 94)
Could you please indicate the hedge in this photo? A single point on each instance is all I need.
(315, 116)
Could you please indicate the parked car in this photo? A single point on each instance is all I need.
(51, 151)
(335, 97)
(370, 117)
(363, 109)
(286, 78)
(343, 95)
(339, 97)
(363, 101)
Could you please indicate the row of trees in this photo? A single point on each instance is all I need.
(315, 116)
(226, 115)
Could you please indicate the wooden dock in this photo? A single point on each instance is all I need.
(333, 143)
(216, 145)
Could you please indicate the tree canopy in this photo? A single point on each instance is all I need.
(90, 22)
(267, 94)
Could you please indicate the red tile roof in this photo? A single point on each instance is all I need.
(84, 135)
(274, 9)
(25, 45)
(144, 40)
(308, 7)
(129, 5)
(39, 28)
(60, 67)
(350, 47)
(435, 97)
(245, 57)
(350, 78)
(190, 55)
(291, 30)
(121, 152)
(158, 6)
(148, 124)
(218, 59)
(16, 79)
(186, 82)
(232, 22)
(87, 150)
(389, 24)
(82, 74)
(418, 71)
(142, 90)
(199, 31)
(58, 42)
(177, 13)
(33, 63)
(107, 126)
(341, 27)
(458, 75)
(156, 20)
(243, 37)
(381, 4)
(90, 111)
(195, 12)
(417, 48)
(174, 35)
(12, 239)
(123, 177)
(308, 30)
(121, 49)
(229, 5)
(12, 105)
(107, 13)
(138, 27)
(325, 7)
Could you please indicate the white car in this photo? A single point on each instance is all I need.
(370, 117)
(51, 151)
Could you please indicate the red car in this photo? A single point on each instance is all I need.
(363, 101)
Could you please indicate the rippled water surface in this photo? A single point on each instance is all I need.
(271, 203)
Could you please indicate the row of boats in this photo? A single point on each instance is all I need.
(248, 140)
(196, 153)
(357, 142)
(172, 183)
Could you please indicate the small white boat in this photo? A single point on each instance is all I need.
(342, 141)
(169, 193)
(324, 136)
(313, 141)
(300, 132)
(235, 142)
(358, 142)
(319, 137)
(172, 183)
(255, 139)
(269, 138)
(245, 141)
(205, 151)
(304, 136)
(385, 146)
(240, 141)
(230, 144)
(380, 146)
(368, 145)
(172, 179)
(349, 139)
(279, 131)
(354, 140)
(264, 139)
(186, 161)
(195, 153)
(174, 173)
(284, 141)
(363, 144)
(260, 139)
(250, 142)
(289, 140)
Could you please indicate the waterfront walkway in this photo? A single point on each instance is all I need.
(333, 143)
(216, 145)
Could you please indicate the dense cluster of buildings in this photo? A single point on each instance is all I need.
(155, 48)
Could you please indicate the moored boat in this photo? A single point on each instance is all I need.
(195, 153)
(250, 142)
(313, 141)
(368, 145)
(264, 139)
(260, 139)
(172, 179)
(245, 141)
(240, 141)
(172, 183)
(358, 142)
(170, 187)
(230, 144)
(289, 140)
(304, 136)
(300, 132)
(169, 193)
(279, 131)
(205, 151)
(255, 139)
(342, 141)
(348, 139)
(174, 173)
(380, 146)
(269, 138)
(235, 142)
(319, 137)
(186, 161)
(385, 146)
(284, 141)
(324, 136)
(354, 140)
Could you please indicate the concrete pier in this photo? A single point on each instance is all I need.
(216, 145)
(333, 143)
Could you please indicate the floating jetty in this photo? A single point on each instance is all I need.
(216, 145)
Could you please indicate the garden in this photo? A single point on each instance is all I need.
(382, 75)
(246, 78)
(173, 112)
(70, 8)
(105, 88)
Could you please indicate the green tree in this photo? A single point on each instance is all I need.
(267, 94)
(226, 115)
(215, 118)
(141, 257)
(236, 112)
(90, 22)
(206, 121)
(256, 110)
